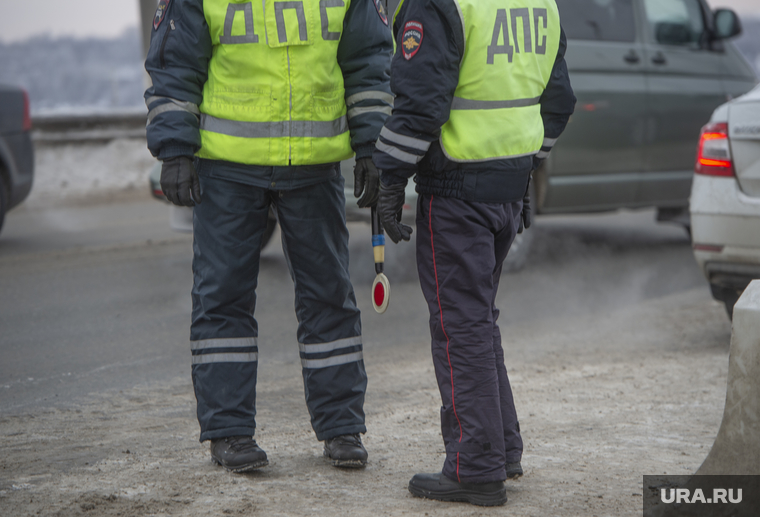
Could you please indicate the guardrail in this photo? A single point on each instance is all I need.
(88, 127)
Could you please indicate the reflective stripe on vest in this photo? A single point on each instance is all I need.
(274, 94)
(505, 68)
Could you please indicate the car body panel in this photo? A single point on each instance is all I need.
(725, 219)
(684, 86)
(596, 163)
(16, 148)
(744, 133)
(17, 154)
(631, 141)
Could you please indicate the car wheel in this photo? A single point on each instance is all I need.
(271, 226)
(678, 215)
(728, 295)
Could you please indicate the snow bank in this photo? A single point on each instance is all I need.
(89, 170)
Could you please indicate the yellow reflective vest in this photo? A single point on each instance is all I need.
(275, 93)
(510, 50)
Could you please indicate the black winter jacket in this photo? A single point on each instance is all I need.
(424, 87)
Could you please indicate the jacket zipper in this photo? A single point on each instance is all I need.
(163, 45)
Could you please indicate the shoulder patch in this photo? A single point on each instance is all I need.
(163, 6)
(411, 39)
(381, 11)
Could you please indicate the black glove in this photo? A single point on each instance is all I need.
(527, 214)
(366, 178)
(179, 181)
(389, 206)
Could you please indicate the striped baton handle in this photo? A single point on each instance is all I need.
(381, 288)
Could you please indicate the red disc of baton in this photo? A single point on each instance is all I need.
(381, 293)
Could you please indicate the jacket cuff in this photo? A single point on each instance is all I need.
(365, 151)
(173, 151)
(388, 178)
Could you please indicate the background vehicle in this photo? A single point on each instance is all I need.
(725, 199)
(647, 75)
(16, 150)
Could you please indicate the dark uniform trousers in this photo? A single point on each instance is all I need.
(461, 246)
(228, 228)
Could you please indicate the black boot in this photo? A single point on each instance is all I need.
(514, 470)
(346, 451)
(238, 454)
(441, 488)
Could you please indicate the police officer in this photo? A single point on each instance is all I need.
(482, 93)
(253, 105)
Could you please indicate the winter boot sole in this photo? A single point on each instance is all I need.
(244, 468)
(497, 498)
(345, 464)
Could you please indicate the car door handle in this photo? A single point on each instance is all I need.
(659, 59)
(632, 57)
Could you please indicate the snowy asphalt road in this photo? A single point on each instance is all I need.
(96, 298)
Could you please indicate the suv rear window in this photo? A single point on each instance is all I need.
(598, 20)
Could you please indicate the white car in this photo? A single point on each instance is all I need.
(725, 198)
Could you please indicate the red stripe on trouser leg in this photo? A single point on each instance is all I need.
(440, 311)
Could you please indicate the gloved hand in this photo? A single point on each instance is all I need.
(527, 213)
(179, 181)
(366, 178)
(389, 206)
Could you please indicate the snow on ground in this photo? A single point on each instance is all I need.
(89, 171)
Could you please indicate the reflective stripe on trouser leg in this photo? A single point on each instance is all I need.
(315, 241)
(228, 227)
(459, 289)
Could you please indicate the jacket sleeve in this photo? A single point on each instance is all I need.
(178, 66)
(424, 80)
(364, 55)
(557, 101)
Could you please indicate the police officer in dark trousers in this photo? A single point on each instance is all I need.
(482, 93)
(253, 105)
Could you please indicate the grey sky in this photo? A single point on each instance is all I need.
(20, 19)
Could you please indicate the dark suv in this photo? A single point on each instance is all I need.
(16, 151)
(648, 75)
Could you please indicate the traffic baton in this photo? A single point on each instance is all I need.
(381, 288)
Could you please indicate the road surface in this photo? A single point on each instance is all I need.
(616, 351)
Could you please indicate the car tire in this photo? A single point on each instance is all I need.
(727, 295)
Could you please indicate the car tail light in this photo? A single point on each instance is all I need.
(27, 116)
(714, 154)
(713, 248)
